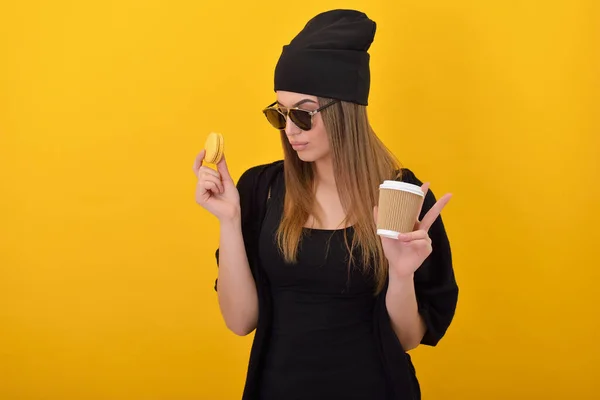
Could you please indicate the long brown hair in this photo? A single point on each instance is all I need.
(360, 163)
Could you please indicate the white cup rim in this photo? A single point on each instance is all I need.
(403, 186)
(388, 233)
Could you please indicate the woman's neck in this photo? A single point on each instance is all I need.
(324, 176)
(328, 211)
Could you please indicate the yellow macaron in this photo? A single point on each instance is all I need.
(214, 148)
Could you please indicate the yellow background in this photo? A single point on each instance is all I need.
(106, 262)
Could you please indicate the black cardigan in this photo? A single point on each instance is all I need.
(435, 287)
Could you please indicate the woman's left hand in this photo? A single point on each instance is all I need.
(406, 254)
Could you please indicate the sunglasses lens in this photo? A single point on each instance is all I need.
(275, 118)
(302, 119)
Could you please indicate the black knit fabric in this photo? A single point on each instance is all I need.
(329, 57)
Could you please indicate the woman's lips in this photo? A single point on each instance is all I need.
(299, 145)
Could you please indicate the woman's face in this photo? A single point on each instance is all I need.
(311, 145)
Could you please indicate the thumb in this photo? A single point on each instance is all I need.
(223, 170)
(375, 213)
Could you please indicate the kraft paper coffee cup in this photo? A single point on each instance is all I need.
(399, 206)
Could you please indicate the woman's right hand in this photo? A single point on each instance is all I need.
(215, 190)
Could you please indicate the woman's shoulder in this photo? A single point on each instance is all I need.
(257, 173)
(407, 175)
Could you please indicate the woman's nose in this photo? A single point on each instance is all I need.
(291, 128)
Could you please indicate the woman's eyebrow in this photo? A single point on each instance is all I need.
(300, 102)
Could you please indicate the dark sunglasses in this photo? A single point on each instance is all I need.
(303, 119)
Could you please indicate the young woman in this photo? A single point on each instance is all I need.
(335, 306)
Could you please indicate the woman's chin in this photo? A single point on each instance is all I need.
(306, 156)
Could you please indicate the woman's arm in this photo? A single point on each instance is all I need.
(238, 300)
(422, 292)
(233, 206)
(401, 303)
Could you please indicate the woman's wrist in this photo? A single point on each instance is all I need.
(232, 221)
(397, 274)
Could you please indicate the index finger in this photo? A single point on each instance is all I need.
(435, 212)
(198, 162)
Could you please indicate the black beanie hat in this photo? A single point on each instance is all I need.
(329, 58)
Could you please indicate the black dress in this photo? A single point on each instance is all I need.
(321, 343)
(313, 338)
